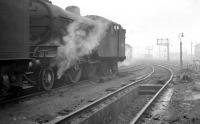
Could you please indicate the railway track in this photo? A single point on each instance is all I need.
(133, 68)
(151, 102)
(86, 108)
(38, 93)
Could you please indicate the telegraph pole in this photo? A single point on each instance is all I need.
(191, 50)
(181, 59)
(167, 50)
(181, 56)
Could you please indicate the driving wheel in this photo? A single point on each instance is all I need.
(75, 74)
(46, 78)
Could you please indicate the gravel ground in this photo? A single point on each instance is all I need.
(126, 116)
(182, 105)
(46, 107)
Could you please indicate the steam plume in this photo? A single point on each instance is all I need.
(83, 36)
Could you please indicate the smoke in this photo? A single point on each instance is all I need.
(83, 35)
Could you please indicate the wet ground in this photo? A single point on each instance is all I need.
(179, 105)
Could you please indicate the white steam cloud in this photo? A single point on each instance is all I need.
(82, 37)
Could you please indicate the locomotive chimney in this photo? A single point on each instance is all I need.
(73, 9)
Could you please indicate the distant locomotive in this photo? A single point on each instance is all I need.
(197, 51)
(129, 56)
(28, 29)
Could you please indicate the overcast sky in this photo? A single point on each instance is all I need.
(147, 20)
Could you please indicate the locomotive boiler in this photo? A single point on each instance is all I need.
(29, 32)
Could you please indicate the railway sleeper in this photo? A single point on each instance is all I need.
(149, 89)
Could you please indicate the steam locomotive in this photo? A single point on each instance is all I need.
(29, 31)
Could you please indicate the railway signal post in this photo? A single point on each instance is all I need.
(164, 42)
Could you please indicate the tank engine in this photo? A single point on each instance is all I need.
(27, 29)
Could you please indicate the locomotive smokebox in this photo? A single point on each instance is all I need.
(14, 29)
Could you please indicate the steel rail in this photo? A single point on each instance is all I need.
(141, 112)
(132, 67)
(66, 118)
(5, 101)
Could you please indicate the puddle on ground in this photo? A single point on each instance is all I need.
(160, 107)
(163, 102)
(193, 93)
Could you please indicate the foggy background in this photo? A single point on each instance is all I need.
(147, 20)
